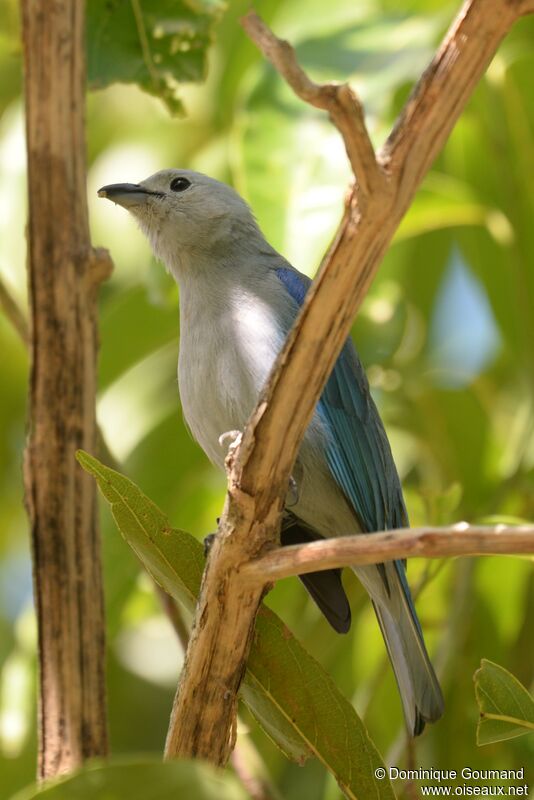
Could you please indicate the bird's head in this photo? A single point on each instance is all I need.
(187, 217)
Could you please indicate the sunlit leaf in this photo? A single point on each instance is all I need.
(445, 202)
(291, 696)
(506, 708)
(156, 45)
(346, 41)
(141, 780)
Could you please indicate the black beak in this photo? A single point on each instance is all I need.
(113, 190)
(126, 194)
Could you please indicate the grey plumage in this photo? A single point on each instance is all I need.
(238, 300)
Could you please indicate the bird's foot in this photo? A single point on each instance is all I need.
(208, 543)
(235, 438)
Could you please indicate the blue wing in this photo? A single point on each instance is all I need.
(359, 455)
(360, 459)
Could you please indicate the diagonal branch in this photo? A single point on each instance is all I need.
(101, 265)
(205, 705)
(372, 548)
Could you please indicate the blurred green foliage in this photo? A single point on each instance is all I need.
(446, 334)
(142, 780)
(156, 46)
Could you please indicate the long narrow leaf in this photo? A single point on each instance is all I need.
(292, 697)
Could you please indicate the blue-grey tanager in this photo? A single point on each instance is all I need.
(238, 300)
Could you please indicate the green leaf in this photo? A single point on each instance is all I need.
(174, 558)
(443, 202)
(340, 41)
(292, 697)
(140, 780)
(285, 684)
(155, 45)
(506, 707)
(126, 342)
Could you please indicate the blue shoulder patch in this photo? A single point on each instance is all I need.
(358, 453)
(297, 285)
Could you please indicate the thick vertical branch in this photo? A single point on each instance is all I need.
(64, 273)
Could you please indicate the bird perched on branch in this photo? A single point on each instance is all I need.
(238, 301)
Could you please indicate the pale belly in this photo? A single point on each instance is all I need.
(219, 387)
(221, 397)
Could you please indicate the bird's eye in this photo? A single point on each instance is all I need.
(180, 184)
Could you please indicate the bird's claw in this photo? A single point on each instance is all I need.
(208, 543)
(235, 440)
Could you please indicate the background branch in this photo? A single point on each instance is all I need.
(205, 705)
(13, 313)
(174, 615)
(17, 318)
(372, 548)
(64, 274)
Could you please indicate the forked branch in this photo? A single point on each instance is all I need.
(205, 705)
(339, 100)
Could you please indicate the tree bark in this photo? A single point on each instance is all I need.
(372, 548)
(64, 275)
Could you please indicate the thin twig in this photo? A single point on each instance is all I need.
(173, 612)
(143, 41)
(14, 313)
(257, 787)
(373, 548)
(339, 100)
(410, 787)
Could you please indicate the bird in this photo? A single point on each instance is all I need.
(238, 300)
